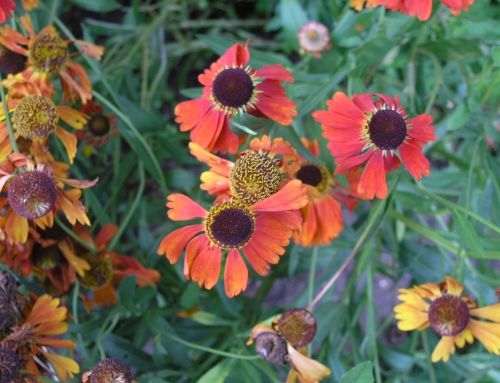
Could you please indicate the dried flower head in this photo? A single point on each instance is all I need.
(110, 371)
(35, 117)
(10, 365)
(314, 38)
(297, 326)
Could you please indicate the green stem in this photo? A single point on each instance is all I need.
(211, 350)
(372, 333)
(76, 290)
(73, 235)
(52, 13)
(437, 78)
(133, 207)
(312, 273)
(7, 118)
(452, 205)
(432, 373)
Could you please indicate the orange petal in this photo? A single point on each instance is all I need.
(72, 117)
(487, 333)
(106, 295)
(17, 228)
(46, 310)
(235, 274)
(56, 342)
(63, 365)
(372, 180)
(309, 370)
(78, 264)
(193, 249)
(205, 268)
(454, 287)
(52, 328)
(106, 234)
(91, 50)
(257, 330)
(68, 140)
(183, 208)
(414, 160)
(292, 196)
(174, 243)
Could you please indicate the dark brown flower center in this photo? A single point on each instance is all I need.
(11, 62)
(387, 129)
(46, 258)
(309, 175)
(233, 88)
(35, 117)
(110, 371)
(272, 348)
(100, 272)
(254, 177)
(32, 194)
(48, 53)
(230, 225)
(99, 125)
(448, 315)
(10, 365)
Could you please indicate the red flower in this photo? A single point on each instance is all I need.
(99, 127)
(6, 8)
(361, 130)
(231, 86)
(261, 231)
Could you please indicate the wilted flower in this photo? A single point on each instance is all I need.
(314, 38)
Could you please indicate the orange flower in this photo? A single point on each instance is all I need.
(449, 313)
(6, 8)
(324, 220)
(37, 194)
(232, 87)
(33, 338)
(257, 173)
(107, 268)
(99, 127)
(232, 225)
(362, 131)
(422, 9)
(35, 117)
(48, 54)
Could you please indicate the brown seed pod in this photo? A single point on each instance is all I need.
(10, 365)
(272, 348)
(298, 327)
(111, 371)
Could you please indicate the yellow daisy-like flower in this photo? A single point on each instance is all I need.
(450, 314)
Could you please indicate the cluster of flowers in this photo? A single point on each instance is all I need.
(42, 220)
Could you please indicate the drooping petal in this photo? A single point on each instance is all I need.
(343, 106)
(414, 160)
(17, 228)
(309, 370)
(453, 286)
(72, 117)
(63, 365)
(292, 196)
(444, 348)
(78, 264)
(106, 235)
(421, 8)
(193, 249)
(275, 72)
(410, 318)
(274, 104)
(235, 274)
(174, 243)
(205, 268)
(69, 142)
(487, 333)
(189, 113)
(421, 128)
(183, 208)
(372, 180)
(45, 310)
(491, 313)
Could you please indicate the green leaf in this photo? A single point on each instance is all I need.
(467, 233)
(362, 373)
(293, 17)
(98, 5)
(126, 290)
(495, 55)
(218, 373)
(454, 49)
(209, 319)
(244, 123)
(459, 117)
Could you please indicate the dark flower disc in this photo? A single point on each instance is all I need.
(230, 225)
(310, 175)
(233, 88)
(111, 371)
(99, 125)
(297, 326)
(272, 348)
(449, 315)
(10, 365)
(387, 129)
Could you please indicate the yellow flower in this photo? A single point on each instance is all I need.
(449, 313)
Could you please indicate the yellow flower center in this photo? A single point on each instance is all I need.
(254, 177)
(448, 315)
(48, 53)
(32, 194)
(314, 175)
(230, 225)
(35, 117)
(110, 371)
(100, 272)
(233, 90)
(387, 129)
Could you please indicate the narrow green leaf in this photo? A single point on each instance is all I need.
(495, 55)
(126, 290)
(467, 233)
(362, 373)
(293, 17)
(98, 5)
(459, 117)
(218, 373)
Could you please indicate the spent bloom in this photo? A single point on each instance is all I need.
(109, 370)
(232, 86)
(48, 54)
(314, 38)
(260, 230)
(365, 131)
(284, 343)
(451, 315)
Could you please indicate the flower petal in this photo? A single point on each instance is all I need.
(183, 208)
(444, 348)
(372, 180)
(174, 243)
(308, 369)
(235, 274)
(292, 196)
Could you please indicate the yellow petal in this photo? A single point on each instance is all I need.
(72, 117)
(257, 330)
(487, 333)
(491, 313)
(464, 336)
(412, 298)
(309, 371)
(78, 264)
(69, 142)
(444, 348)
(454, 287)
(62, 364)
(409, 317)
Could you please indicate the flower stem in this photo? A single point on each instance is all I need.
(312, 273)
(7, 118)
(73, 235)
(211, 350)
(425, 342)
